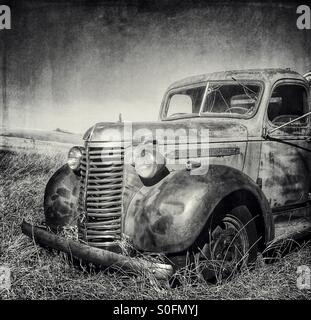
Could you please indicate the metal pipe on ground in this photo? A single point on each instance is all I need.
(95, 255)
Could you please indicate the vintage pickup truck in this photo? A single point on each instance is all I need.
(222, 174)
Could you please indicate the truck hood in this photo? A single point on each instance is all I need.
(215, 130)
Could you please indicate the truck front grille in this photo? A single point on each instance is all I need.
(100, 201)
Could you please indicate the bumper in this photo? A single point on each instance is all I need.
(95, 255)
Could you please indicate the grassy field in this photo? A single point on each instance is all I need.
(41, 274)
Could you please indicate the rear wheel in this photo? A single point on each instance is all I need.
(231, 243)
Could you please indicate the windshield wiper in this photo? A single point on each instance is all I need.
(245, 88)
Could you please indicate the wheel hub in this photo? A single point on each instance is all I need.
(227, 248)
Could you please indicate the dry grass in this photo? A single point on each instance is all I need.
(41, 274)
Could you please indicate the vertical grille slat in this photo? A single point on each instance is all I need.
(100, 202)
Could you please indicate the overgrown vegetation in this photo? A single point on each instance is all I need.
(41, 274)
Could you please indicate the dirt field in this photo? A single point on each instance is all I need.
(41, 274)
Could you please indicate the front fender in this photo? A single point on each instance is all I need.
(169, 216)
(61, 198)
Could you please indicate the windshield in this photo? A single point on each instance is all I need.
(236, 98)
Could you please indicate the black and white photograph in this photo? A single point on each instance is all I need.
(155, 150)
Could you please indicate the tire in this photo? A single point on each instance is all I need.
(232, 243)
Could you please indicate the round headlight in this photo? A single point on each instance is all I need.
(74, 158)
(148, 163)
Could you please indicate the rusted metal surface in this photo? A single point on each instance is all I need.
(168, 217)
(285, 172)
(61, 199)
(266, 75)
(220, 129)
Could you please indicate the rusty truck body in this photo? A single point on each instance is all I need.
(223, 173)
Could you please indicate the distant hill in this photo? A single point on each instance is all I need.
(57, 135)
(38, 141)
(63, 131)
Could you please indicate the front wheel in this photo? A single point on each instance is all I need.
(231, 243)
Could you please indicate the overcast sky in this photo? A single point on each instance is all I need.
(70, 65)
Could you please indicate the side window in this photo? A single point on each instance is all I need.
(287, 103)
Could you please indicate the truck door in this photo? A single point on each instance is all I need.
(285, 160)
